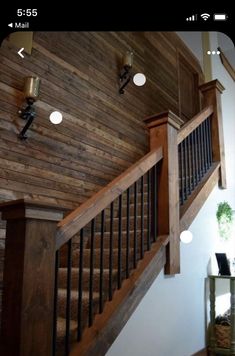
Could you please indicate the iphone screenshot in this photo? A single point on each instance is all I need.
(117, 181)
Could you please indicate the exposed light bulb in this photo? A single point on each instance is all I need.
(139, 79)
(186, 236)
(56, 117)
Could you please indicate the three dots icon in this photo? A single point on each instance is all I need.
(213, 52)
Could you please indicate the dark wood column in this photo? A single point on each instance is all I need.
(28, 285)
(212, 96)
(163, 132)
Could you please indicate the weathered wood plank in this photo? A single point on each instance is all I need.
(102, 132)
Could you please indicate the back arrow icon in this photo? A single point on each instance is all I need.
(19, 52)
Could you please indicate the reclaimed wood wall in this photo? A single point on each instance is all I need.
(102, 132)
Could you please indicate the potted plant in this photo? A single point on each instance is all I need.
(224, 215)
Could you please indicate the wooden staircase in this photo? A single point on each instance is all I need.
(130, 255)
(77, 280)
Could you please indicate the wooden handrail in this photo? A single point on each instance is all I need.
(192, 124)
(78, 218)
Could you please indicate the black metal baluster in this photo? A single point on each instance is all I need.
(135, 223)
(186, 168)
(127, 231)
(91, 278)
(205, 146)
(189, 166)
(154, 219)
(120, 242)
(185, 171)
(201, 149)
(182, 172)
(156, 201)
(80, 285)
(209, 141)
(193, 162)
(180, 179)
(68, 300)
(142, 218)
(57, 263)
(101, 261)
(148, 211)
(199, 154)
(196, 156)
(111, 254)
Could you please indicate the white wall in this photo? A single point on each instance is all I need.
(171, 318)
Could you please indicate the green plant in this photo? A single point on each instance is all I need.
(224, 215)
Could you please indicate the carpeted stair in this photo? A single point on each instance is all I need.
(63, 270)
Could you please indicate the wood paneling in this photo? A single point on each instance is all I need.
(102, 133)
(188, 89)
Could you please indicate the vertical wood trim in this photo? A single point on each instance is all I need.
(212, 96)
(163, 132)
(206, 59)
(212, 312)
(28, 286)
(232, 291)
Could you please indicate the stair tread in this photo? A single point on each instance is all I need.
(61, 325)
(86, 270)
(61, 331)
(62, 292)
(123, 232)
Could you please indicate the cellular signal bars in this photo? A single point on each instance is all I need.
(192, 18)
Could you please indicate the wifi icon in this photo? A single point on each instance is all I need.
(205, 16)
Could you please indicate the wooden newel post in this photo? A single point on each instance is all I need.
(212, 96)
(28, 286)
(163, 132)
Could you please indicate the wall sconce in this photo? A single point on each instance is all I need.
(31, 92)
(125, 74)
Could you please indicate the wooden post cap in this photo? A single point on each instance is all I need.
(23, 208)
(166, 117)
(213, 84)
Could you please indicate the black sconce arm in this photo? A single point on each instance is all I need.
(27, 114)
(125, 77)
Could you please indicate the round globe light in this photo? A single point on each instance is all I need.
(56, 117)
(139, 79)
(186, 236)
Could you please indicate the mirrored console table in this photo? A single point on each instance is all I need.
(214, 349)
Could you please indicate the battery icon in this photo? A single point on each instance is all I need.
(220, 17)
